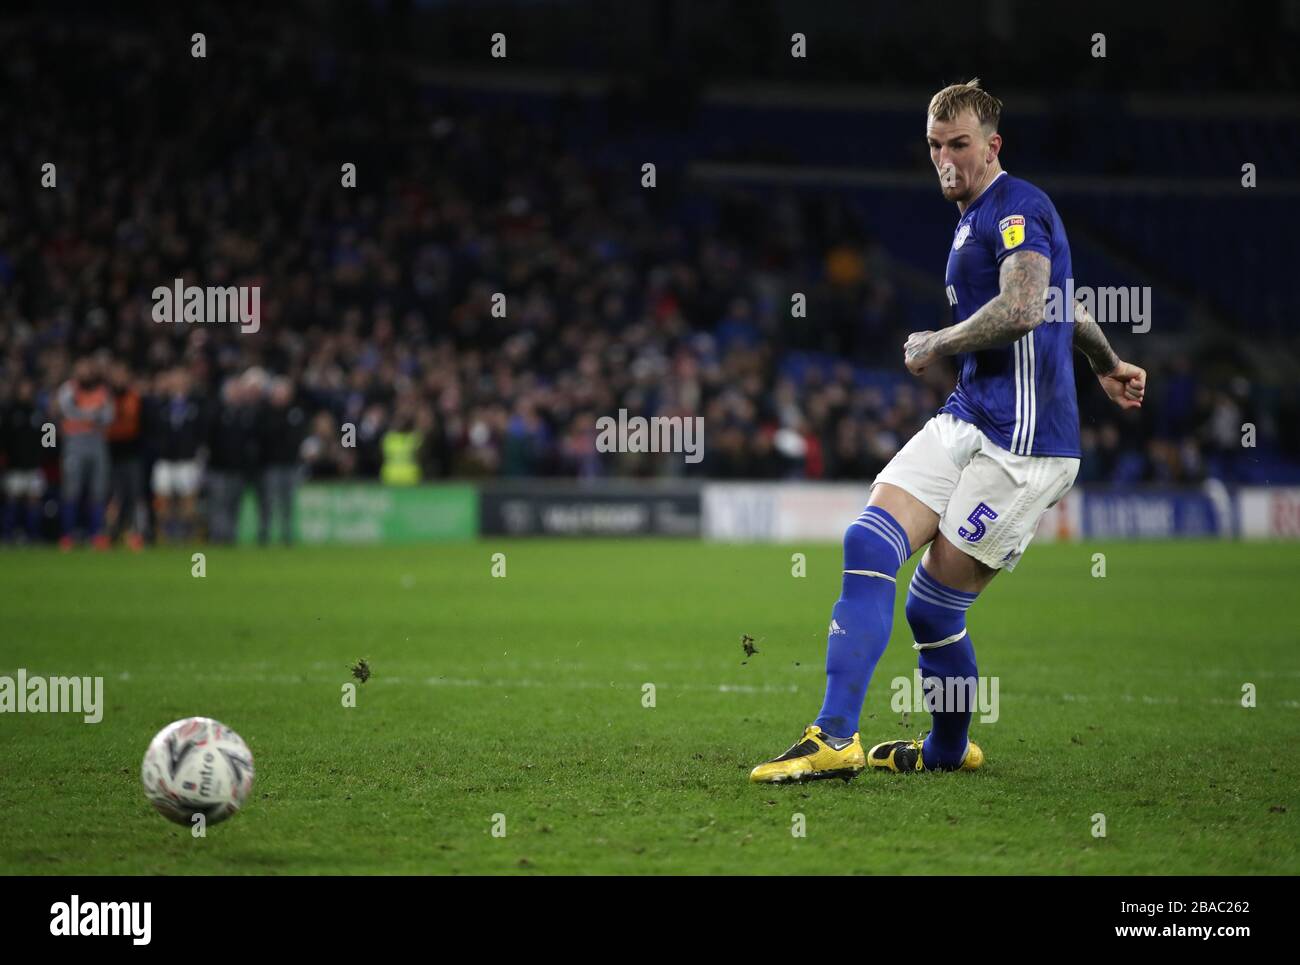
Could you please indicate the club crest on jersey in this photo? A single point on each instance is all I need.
(1012, 229)
(962, 234)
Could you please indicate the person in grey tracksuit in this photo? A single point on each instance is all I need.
(85, 406)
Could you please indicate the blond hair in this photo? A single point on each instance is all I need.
(956, 99)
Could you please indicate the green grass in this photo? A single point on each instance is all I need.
(523, 696)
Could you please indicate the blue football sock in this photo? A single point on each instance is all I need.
(937, 616)
(96, 518)
(875, 546)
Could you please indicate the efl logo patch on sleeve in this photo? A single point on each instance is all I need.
(1012, 229)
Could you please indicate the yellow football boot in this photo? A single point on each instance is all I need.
(901, 756)
(815, 756)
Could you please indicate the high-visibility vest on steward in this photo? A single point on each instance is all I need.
(400, 466)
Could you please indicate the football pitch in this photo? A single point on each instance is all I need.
(505, 728)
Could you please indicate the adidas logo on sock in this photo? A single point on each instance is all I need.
(835, 627)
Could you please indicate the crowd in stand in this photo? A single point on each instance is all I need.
(380, 351)
(124, 456)
(126, 453)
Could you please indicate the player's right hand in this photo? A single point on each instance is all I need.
(918, 352)
(1126, 384)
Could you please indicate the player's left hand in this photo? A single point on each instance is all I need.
(918, 351)
(1126, 384)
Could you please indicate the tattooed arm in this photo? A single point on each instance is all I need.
(1089, 340)
(1123, 383)
(1015, 310)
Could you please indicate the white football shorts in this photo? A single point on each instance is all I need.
(989, 500)
(176, 477)
(24, 483)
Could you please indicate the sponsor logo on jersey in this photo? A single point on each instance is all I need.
(1012, 229)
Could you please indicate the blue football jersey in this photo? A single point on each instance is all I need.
(1022, 395)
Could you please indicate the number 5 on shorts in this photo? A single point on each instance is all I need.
(976, 519)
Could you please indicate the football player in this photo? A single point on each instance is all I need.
(971, 486)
